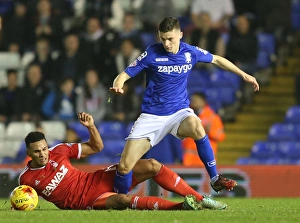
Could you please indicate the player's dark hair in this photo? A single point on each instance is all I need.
(34, 137)
(168, 24)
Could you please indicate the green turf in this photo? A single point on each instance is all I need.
(240, 210)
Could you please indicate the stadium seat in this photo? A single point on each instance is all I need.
(168, 151)
(263, 59)
(10, 148)
(112, 130)
(81, 131)
(18, 130)
(293, 114)
(295, 6)
(295, 20)
(227, 95)
(199, 78)
(295, 17)
(264, 150)
(54, 130)
(222, 78)
(128, 128)
(110, 154)
(9, 60)
(114, 147)
(282, 132)
(290, 149)
(297, 131)
(213, 98)
(247, 161)
(274, 161)
(266, 48)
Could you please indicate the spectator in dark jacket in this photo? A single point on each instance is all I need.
(31, 96)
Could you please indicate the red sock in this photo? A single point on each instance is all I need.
(169, 180)
(153, 203)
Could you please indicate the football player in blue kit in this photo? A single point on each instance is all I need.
(165, 106)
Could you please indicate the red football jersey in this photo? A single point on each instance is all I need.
(64, 185)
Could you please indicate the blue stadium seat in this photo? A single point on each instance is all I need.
(274, 161)
(290, 149)
(168, 150)
(6, 6)
(295, 6)
(114, 147)
(110, 154)
(266, 42)
(295, 17)
(293, 114)
(225, 79)
(128, 128)
(263, 59)
(266, 48)
(282, 132)
(227, 95)
(266, 161)
(81, 131)
(297, 131)
(112, 129)
(264, 150)
(7, 160)
(213, 98)
(247, 161)
(199, 78)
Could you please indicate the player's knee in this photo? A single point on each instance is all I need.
(195, 128)
(155, 166)
(123, 168)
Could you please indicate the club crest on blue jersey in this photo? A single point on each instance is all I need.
(188, 57)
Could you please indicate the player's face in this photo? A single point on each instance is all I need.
(171, 40)
(39, 153)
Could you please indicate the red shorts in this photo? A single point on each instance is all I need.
(102, 187)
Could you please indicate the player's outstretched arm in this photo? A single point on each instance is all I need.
(118, 83)
(225, 64)
(95, 143)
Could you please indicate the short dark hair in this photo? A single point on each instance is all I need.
(11, 71)
(34, 137)
(201, 95)
(168, 24)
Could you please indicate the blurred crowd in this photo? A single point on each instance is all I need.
(71, 50)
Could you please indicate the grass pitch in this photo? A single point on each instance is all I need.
(240, 210)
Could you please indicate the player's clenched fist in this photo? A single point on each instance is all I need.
(86, 119)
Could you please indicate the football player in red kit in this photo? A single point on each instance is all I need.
(52, 175)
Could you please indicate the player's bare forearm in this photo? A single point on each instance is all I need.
(95, 143)
(95, 140)
(225, 64)
(119, 83)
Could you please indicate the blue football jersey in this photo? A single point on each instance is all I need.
(166, 76)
